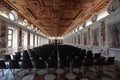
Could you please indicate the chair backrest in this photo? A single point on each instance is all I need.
(89, 54)
(64, 63)
(83, 51)
(88, 62)
(34, 57)
(13, 64)
(77, 62)
(18, 53)
(110, 60)
(7, 57)
(97, 55)
(52, 63)
(39, 64)
(100, 61)
(25, 52)
(16, 57)
(25, 57)
(2, 64)
(26, 64)
(30, 52)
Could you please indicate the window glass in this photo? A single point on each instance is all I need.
(10, 31)
(10, 37)
(9, 43)
(11, 16)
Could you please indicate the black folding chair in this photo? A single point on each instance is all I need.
(7, 57)
(2, 66)
(13, 64)
(110, 61)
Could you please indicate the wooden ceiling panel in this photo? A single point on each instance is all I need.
(62, 28)
(56, 17)
(65, 23)
(33, 3)
(65, 4)
(71, 0)
(70, 13)
(47, 3)
(41, 13)
(45, 23)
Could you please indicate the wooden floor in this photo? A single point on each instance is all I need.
(91, 73)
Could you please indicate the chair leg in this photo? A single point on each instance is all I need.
(2, 72)
(12, 71)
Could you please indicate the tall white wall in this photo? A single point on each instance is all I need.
(110, 19)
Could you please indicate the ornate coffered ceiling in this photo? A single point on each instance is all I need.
(56, 17)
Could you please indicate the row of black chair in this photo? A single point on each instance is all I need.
(67, 55)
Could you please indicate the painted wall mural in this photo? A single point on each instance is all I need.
(81, 41)
(75, 38)
(20, 37)
(78, 38)
(28, 38)
(95, 37)
(114, 35)
(3, 35)
(88, 36)
(85, 38)
(102, 33)
(2, 38)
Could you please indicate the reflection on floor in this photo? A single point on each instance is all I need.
(91, 73)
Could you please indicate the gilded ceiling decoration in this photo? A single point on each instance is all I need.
(56, 17)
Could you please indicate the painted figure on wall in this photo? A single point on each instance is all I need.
(102, 33)
(81, 35)
(74, 39)
(78, 38)
(20, 37)
(85, 38)
(28, 38)
(89, 36)
(3, 35)
(95, 37)
(114, 35)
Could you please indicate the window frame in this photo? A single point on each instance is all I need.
(10, 39)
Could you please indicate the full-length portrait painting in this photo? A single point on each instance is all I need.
(114, 35)
(95, 37)
(88, 36)
(3, 35)
(78, 38)
(20, 37)
(102, 33)
(85, 38)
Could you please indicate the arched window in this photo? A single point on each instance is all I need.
(13, 15)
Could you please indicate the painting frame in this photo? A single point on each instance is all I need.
(95, 36)
(85, 38)
(113, 31)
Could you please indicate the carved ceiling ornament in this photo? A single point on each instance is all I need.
(83, 24)
(113, 6)
(31, 26)
(94, 17)
(25, 22)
